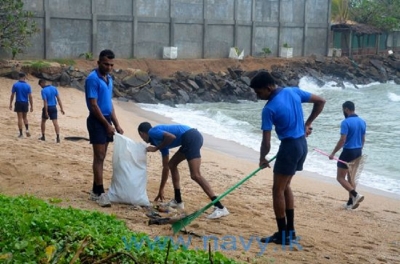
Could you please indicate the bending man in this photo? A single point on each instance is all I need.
(165, 137)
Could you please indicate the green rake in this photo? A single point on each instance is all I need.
(178, 225)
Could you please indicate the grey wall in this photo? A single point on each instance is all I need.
(199, 28)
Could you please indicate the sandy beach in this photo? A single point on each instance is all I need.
(328, 233)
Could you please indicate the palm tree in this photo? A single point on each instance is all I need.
(340, 11)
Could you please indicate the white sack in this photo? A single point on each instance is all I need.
(129, 181)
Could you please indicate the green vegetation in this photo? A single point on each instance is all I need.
(383, 14)
(68, 62)
(285, 45)
(86, 55)
(266, 51)
(17, 26)
(33, 231)
(37, 65)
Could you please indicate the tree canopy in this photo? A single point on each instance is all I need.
(16, 26)
(383, 14)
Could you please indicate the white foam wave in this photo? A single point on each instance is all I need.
(393, 97)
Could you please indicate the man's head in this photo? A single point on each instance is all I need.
(263, 85)
(42, 83)
(348, 108)
(143, 130)
(106, 61)
(21, 76)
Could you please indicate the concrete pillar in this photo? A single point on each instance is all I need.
(93, 38)
(279, 44)
(47, 29)
(235, 16)
(328, 33)
(171, 26)
(305, 29)
(205, 35)
(134, 28)
(253, 28)
(350, 43)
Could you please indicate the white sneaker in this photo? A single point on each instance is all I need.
(104, 201)
(218, 213)
(350, 206)
(176, 205)
(356, 200)
(28, 134)
(93, 196)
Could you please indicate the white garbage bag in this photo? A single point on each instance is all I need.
(129, 180)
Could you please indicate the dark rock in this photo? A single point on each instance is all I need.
(65, 79)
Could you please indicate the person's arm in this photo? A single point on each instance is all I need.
(95, 110)
(46, 113)
(164, 178)
(115, 121)
(11, 99)
(60, 103)
(168, 138)
(31, 101)
(318, 106)
(265, 148)
(338, 146)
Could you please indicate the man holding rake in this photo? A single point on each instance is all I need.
(352, 138)
(284, 111)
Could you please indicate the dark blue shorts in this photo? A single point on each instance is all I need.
(97, 132)
(348, 155)
(192, 141)
(52, 111)
(291, 156)
(21, 107)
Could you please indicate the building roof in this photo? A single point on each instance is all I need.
(359, 29)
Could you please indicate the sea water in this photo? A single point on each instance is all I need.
(378, 104)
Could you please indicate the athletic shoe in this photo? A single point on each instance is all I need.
(28, 134)
(350, 206)
(93, 196)
(20, 136)
(176, 205)
(218, 213)
(104, 201)
(356, 200)
(277, 238)
(42, 139)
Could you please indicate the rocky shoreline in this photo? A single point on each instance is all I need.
(230, 85)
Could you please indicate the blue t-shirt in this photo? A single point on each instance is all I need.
(49, 93)
(285, 112)
(156, 135)
(354, 128)
(97, 88)
(22, 90)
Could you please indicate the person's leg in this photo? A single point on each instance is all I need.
(56, 129)
(173, 167)
(20, 120)
(99, 154)
(289, 209)
(25, 118)
(281, 194)
(43, 129)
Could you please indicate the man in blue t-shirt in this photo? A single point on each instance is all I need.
(102, 117)
(284, 111)
(352, 138)
(50, 98)
(23, 93)
(190, 141)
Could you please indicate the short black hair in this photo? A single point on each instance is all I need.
(21, 75)
(262, 80)
(144, 127)
(109, 54)
(41, 81)
(349, 105)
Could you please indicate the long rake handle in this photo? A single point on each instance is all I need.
(326, 154)
(234, 187)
